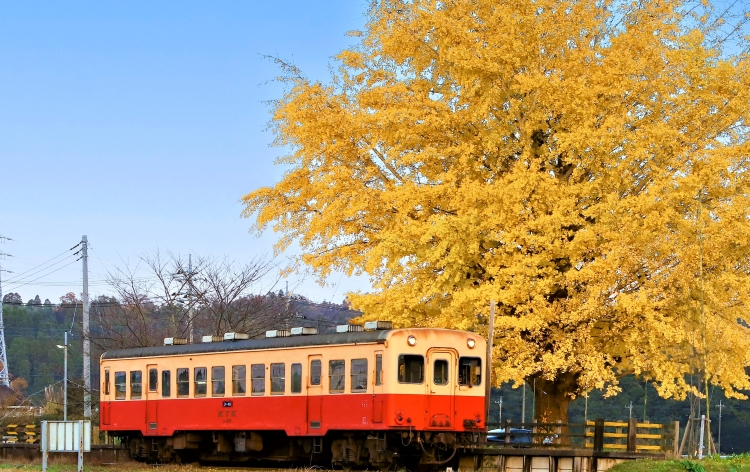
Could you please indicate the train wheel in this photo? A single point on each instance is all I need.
(434, 454)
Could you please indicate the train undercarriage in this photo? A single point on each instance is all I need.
(347, 450)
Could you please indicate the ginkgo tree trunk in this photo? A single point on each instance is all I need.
(559, 157)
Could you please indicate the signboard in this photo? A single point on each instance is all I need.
(66, 436)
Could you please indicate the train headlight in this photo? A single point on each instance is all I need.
(411, 340)
(471, 343)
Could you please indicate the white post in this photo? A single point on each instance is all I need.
(45, 445)
(80, 445)
(703, 432)
(86, 338)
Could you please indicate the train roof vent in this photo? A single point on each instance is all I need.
(303, 330)
(378, 325)
(212, 339)
(349, 328)
(277, 333)
(235, 336)
(174, 341)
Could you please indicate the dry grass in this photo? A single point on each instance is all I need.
(130, 467)
(740, 463)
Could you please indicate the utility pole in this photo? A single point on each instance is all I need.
(718, 446)
(187, 277)
(65, 378)
(190, 296)
(86, 337)
(490, 341)
(703, 432)
(499, 404)
(523, 402)
(65, 388)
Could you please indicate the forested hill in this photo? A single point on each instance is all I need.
(32, 333)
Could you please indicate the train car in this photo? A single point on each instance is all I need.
(373, 397)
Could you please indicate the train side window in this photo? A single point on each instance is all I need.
(120, 385)
(106, 382)
(296, 378)
(378, 369)
(410, 368)
(166, 383)
(359, 375)
(278, 378)
(199, 377)
(217, 381)
(336, 372)
(258, 379)
(183, 382)
(136, 385)
(315, 372)
(440, 372)
(239, 379)
(470, 371)
(153, 379)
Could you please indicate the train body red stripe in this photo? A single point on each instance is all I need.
(293, 413)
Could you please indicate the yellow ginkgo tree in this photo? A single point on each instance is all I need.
(584, 163)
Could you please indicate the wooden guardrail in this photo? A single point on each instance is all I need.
(600, 435)
(632, 436)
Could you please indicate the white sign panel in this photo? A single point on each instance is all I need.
(65, 436)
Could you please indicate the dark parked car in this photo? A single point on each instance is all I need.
(517, 436)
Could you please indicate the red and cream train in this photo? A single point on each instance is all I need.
(373, 397)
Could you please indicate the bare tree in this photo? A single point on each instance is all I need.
(181, 296)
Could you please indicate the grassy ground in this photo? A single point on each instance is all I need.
(739, 463)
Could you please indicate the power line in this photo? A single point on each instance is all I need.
(18, 280)
(45, 275)
(39, 265)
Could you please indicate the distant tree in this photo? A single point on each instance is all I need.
(19, 385)
(13, 298)
(69, 298)
(47, 302)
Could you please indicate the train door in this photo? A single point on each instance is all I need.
(152, 393)
(442, 381)
(377, 389)
(106, 397)
(314, 393)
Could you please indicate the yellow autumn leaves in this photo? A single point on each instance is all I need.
(564, 158)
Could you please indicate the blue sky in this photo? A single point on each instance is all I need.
(141, 125)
